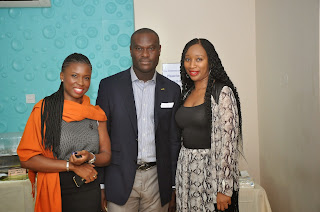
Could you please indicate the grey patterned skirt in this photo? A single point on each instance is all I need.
(194, 181)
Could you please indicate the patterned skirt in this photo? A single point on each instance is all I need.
(194, 182)
(194, 189)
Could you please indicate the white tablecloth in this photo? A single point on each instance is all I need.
(253, 200)
(15, 196)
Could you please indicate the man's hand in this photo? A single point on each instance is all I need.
(103, 201)
(172, 203)
(223, 201)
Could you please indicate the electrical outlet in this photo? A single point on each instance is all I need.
(30, 98)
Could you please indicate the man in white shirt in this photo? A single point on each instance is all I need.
(140, 105)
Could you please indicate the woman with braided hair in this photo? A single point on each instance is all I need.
(210, 123)
(64, 139)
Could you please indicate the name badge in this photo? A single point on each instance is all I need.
(167, 104)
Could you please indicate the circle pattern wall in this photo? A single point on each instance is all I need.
(35, 41)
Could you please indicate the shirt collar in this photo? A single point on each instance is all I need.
(135, 78)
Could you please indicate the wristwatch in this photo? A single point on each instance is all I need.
(91, 161)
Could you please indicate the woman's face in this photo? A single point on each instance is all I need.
(196, 63)
(76, 81)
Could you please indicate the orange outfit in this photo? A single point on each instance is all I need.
(48, 196)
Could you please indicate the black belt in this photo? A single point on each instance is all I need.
(146, 166)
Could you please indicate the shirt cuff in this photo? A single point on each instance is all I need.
(101, 186)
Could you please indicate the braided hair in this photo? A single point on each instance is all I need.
(52, 109)
(216, 74)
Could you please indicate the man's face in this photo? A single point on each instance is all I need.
(145, 51)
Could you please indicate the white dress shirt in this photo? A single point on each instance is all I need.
(144, 93)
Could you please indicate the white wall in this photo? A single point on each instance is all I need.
(230, 26)
(270, 46)
(288, 102)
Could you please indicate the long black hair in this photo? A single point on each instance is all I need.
(52, 109)
(216, 74)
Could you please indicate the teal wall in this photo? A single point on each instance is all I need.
(35, 41)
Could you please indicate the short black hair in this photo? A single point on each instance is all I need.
(144, 30)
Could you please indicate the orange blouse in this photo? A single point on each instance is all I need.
(48, 195)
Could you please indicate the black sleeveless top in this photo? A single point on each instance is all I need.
(194, 123)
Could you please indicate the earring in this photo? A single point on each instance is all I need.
(187, 75)
(62, 80)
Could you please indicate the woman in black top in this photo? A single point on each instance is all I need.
(210, 122)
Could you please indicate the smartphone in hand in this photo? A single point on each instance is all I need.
(79, 181)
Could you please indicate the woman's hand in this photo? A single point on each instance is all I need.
(223, 201)
(85, 171)
(80, 157)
